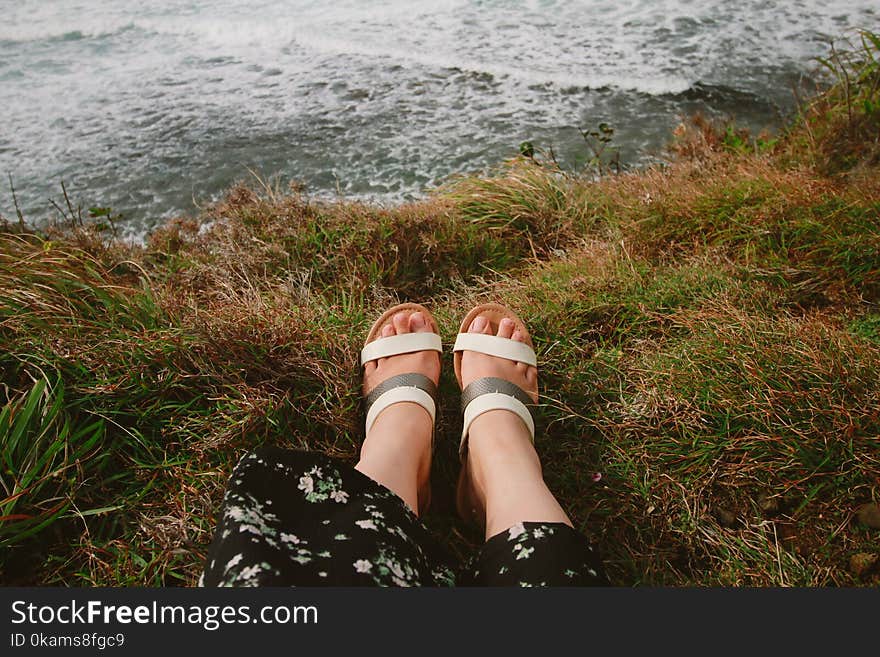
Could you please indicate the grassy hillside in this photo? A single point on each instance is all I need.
(709, 335)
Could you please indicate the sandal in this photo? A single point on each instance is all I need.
(410, 387)
(491, 393)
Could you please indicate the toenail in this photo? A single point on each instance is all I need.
(417, 320)
(479, 324)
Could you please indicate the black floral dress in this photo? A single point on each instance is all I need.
(295, 518)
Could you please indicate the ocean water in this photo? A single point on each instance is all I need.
(155, 108)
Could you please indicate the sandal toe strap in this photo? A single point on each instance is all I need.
(405, 343)
(410, 387)
(494, 345)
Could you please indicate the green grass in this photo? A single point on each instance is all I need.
(707, 333)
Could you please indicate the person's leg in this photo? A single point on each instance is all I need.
(397, 450)
(530, 541)
(502, 468)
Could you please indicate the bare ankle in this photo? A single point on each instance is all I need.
(498, 434)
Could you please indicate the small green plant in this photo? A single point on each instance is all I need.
(601, 158)
(527, 149)
(839, 128)
(604, 157)
(856, 74)
(105, 219)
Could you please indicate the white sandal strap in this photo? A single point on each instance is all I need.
(397, 395)
(494, 345)
(404, 343)
(492, 402)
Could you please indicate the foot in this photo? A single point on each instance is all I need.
(491, 426)
(475, 365)
(397, 449)
(421, 362)
(501, 482)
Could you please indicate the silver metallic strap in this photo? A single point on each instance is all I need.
(487, 394)
(411, 387)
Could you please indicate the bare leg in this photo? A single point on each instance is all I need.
(502, 467)
(397, 450)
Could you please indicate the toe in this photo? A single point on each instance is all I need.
(518, 336)
(478, 325)
(401, 323)
(505, 328)
(418, 323)
(387, 332)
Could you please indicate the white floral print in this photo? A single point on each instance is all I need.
(306, 484)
